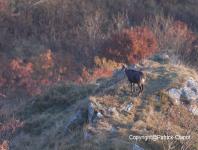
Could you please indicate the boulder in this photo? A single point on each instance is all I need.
(161, 58)
(136, 147)
(175, 94)
(188, 93)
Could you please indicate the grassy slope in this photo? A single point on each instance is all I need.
(45, 117)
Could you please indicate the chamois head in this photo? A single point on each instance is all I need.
(123, 67)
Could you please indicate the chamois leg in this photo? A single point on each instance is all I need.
(131, 88)
(140, 89)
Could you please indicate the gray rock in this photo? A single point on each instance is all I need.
(188, 94)
(137, 147)
(99, 115)
(90, 113)
(87, 135)
(165, 56)
(77, 120)
(127, 107)
(93, 114)
(161, 58)
(175, 94)
(113, 130)
(194, 109)
(191, 83)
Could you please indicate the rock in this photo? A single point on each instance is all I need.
(175, 94)
(77, 120)
(90, 113)
(194, 109)
(137, 147)
(94, 113)
(193, 85)
(161, 58)
(127, 107)
(113, 130)
(188, 94)
(105, 112)
(99, 115)
(87, 135)
(165, 56)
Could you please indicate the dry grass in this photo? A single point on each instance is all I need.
(47, 114)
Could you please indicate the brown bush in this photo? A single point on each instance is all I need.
(131, 45)
(174, 37)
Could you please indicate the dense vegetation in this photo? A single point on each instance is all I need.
(43, 42)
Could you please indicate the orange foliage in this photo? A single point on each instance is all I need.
(35, 75)
(131, 45)
(4, 145)
(96, 74)
(101, 73)
(23, 70)
(22, 76)
(47, 60)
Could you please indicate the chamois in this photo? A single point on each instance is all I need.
(135, 77)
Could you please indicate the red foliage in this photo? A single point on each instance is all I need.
(21, 76)
(3, 5)
(131, 45)
(97, 73)
(102, 73)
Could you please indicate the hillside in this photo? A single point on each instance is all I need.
(102, 114)
(61, 83)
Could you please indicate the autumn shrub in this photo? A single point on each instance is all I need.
(180, 37)
(21, 76)
(130, 45)
(106, 64)
(32, 76)
(8, 129)
(88, 75)
(174, 37)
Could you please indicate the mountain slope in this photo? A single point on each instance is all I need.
(103, 114)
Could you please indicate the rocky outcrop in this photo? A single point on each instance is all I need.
(104, 112)
(76, 120)
(187, 94)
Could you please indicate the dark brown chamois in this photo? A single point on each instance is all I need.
(135, 77)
